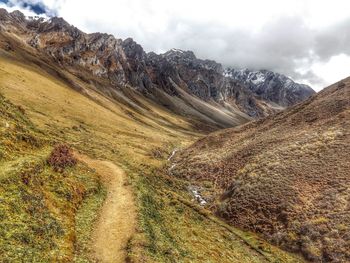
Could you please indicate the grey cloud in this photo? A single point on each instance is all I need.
(279, 45)
(311, 77)
(273, 47)
(333, 40)
(284, 45)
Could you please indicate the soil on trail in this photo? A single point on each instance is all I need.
(117, 219)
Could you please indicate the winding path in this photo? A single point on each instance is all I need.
(117, 219)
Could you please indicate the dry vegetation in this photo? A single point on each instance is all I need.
(286, 176)
(53, 216)
(61, 157)
(38, 205)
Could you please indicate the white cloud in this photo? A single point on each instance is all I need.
(337, 68)
(300, 38)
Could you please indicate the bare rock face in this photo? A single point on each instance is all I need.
(272, 86)
(201, 85)
(204, 79)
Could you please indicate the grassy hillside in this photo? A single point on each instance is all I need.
(48, 216)
(38, 205)
(286, 176)
(174, 228)
(92, 122)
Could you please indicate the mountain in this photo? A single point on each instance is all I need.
(84, 139)
(272, 86)
(176, 80)
(286, 176)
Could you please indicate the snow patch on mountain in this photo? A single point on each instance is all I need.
(271, 86)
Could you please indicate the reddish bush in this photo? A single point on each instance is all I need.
(61, 157)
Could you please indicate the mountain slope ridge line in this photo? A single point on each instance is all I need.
(178, 80)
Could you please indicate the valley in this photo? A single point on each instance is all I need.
(173, 159)
(100, 129)
(103, 129)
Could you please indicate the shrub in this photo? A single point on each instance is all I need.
(61, 157)
(158, 153)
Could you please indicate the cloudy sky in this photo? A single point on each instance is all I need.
(308, 40)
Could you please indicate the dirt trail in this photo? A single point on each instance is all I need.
(117, 220)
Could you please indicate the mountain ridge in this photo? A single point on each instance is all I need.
(272, 86)
(50, 216)
(281, 174)
(176, 79)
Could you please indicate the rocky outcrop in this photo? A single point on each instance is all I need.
(272, 86)
(173, 78)
(203, 79)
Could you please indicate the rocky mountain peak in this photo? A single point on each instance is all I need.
(272, 86)
(3, 13)
(15, 15)
(19, 16)
(106, 59)
(178, 56)
(59, 23)
(133, 50)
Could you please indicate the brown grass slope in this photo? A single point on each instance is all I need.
(286, 176)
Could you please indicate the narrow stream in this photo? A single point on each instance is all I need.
(172, 154)
(171, 157)
(195, 191)
(172, 167)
